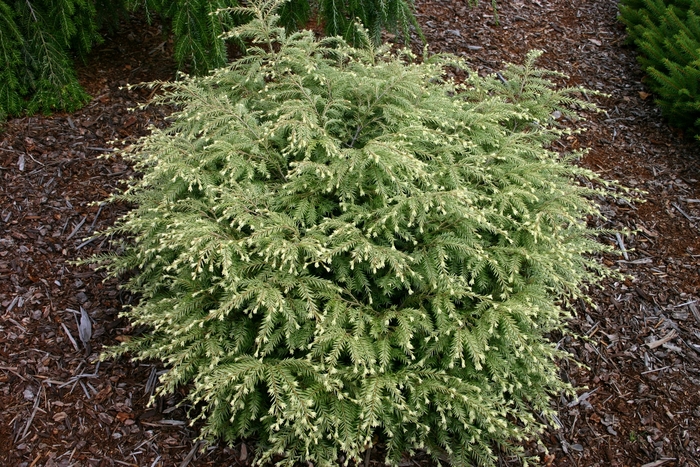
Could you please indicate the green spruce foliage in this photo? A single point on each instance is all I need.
(667, 33)
(198, 25)
(39, 39)
(338, 246)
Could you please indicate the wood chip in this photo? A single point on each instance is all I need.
(658, 463)
(694, 310)
(12, 304)
(84, 326)
(671, 335)
(106, 418)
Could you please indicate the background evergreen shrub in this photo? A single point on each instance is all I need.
(39, 39)
(335, 246)
(667, 34)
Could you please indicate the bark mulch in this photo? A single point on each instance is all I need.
(639, 396)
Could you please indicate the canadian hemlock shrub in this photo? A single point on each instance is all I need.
(338, 246)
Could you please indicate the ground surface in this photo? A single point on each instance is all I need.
(639, 402)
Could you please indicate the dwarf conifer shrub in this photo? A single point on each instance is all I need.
(338, 246)
(667, 33)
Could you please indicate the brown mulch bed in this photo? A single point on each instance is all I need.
(639, 402)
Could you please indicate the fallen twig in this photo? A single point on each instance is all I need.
(151, 382)
(100, 149)
(691, 219)
(85, 390)
(99, 210)
(77, 227)
(86, 242)
(655, 370)
(37, 398)
(622, 246)
(164, 423)
(70, 336)
(190, 455)
(36, 460)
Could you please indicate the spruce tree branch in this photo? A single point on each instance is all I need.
(354, 138)
(31, 10)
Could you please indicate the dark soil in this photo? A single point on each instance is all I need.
(639, 396)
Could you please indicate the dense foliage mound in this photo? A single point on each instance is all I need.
(336, 247)
(667, 33)
(39, 39)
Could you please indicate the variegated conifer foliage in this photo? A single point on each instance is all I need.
(335, 247)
